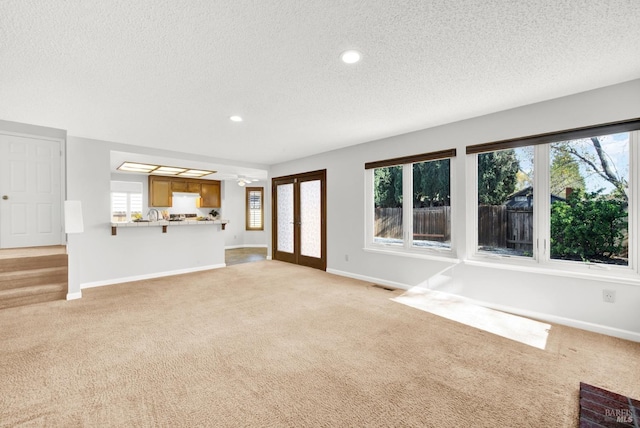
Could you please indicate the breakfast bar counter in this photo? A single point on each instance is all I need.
(165, 224)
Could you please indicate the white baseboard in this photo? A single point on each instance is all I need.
(74, 296)
(268, 257)
(233, 247)
(569, 322)
(369, 279)
(149, 276)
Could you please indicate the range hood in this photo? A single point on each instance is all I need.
(188, 194)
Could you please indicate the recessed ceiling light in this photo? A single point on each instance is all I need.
(235, 119)
(350, 56)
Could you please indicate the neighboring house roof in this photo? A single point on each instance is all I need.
(524, 198)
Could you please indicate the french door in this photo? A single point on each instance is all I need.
(299, 219)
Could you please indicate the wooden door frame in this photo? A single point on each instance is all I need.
(296, 257)
(275, 254)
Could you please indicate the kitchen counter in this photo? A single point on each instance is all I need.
(165, 223)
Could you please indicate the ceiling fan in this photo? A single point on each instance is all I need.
(243, 181)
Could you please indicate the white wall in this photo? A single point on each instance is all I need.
(24, 128)
(96, 257)
(233, 201)
(556, 298)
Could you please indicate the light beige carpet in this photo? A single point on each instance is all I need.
(273, 344)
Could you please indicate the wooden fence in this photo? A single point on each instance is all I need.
(388, 223)
(503, 227)
(498, 225)
(429, 224)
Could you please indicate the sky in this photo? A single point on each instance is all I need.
(616, 146)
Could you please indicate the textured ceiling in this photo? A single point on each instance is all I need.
(168, 74)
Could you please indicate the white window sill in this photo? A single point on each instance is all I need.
(593, 272)
(435, 255)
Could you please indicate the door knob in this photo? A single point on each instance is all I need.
(5, 197)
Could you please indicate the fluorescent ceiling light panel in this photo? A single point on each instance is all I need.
(128, 169)
(163, 170)
(137, 167)
(195, 173)
(235, 119)
(173, 174)
(168, 170)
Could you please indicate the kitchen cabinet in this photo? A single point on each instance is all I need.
(193, 187)
(160, 191)
(189, 186)
(178, 186)
(210, 194)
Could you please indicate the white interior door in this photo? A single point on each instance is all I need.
(30, 192)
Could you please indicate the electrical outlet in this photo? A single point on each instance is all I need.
(346, 257)
(609, 296)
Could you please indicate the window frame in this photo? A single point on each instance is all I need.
(541, 260)
(248, 210)
(407, 248)
(128, 188)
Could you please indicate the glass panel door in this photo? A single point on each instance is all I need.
(310, 218)
(285, 217)
(299, 226)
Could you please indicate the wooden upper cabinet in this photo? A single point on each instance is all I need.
(178, 186)
(210, 194)
(160, 191)
(189, 186)
(193, 187)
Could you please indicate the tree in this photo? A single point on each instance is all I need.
(588, 226)
(431, 183)
(388, 187)
(597, 161)
(497, 176)
(565, 171)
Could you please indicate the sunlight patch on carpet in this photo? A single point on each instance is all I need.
(456, 308)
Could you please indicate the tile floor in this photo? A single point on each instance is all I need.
(236, 256)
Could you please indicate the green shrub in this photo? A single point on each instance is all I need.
(588, 226)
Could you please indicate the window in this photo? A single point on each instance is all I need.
(505, 202)
(387, 191)
(576, 212)
(589, 188)
(126, 201)
(410, 202)
(255, 208)
(431, 198)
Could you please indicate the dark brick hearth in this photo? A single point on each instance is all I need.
(601, 408)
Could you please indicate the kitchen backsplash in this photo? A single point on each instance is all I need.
(187, 205)
(184, 205)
